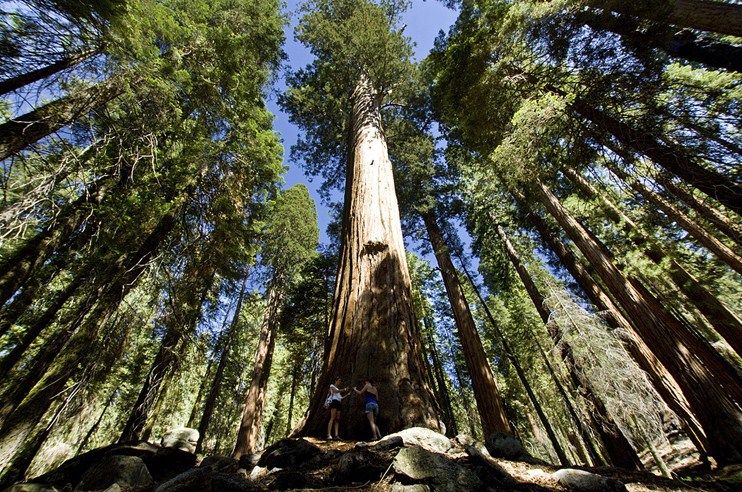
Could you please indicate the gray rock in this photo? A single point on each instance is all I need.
(423, 437)
(31, 487)
(197, 479)
(464, 440)
(223, 464)
(183, 438)
(168, 463)
(480, 455)
(226, 482)
(582, 481)
(288, 452)
(438, 471)
(389, 442)
(129, 471)
(501, 445)
(398, 487)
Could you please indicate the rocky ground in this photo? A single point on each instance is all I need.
(415, 460)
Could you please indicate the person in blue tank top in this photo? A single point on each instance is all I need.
(371, 407)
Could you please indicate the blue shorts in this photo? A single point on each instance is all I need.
(336, 404)
(372, 407)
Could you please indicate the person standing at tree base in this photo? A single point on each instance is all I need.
(335, 408)
(371, 405)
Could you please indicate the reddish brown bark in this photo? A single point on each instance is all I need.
(373, 332)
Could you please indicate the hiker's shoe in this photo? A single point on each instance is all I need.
(328, 438)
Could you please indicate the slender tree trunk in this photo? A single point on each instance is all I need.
(618, 447)
(442, 395)
(672, 158)
(723, 320)
(663, 382)
(210, 403)
(292, 397)
(91, 432)
(708, 383)
(489, 402)
(252, 415)
(721, 250)
(722, 223)
(15, 83)
(186, 309)
(373, 325)
(23, 131)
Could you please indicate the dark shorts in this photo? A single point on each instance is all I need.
(336, 404)
(372, 407)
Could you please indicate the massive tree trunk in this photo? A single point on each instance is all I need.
(710, 385)
(663, 382)
(25, 130)
(719, 316)
(489, 402)
(373, 332)
(252, 414)
(15, 83)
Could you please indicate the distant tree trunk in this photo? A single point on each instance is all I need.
(723, 320)
(252, 415)
(721, 250)
(91, 432)
(673, 158)
(60, 367)
(618, 447)
(25, 130)
(15, 83)
(292, 397)
(489, 402)
(441, 394)
(663, 382)
(691, 362)
(704, 15)
(181, 321)
(722, 223)
(372, 333)
(210, 403)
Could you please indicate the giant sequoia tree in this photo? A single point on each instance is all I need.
(361, 58)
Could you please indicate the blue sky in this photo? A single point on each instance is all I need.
(424, 20)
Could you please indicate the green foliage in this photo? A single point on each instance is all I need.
(350, 40)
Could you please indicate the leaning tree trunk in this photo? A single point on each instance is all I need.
(618, 447)
(663, 382)
(24, 79)
(704, 15)
(373, 329)
(77, 351)
(710, 385)
(672, 158)
(25, 130)
(489, 402)
(721, 250)
(718, 315)
(442, 394)
(189, 297)
(252, 414)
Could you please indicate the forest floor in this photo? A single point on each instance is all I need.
(513, 475)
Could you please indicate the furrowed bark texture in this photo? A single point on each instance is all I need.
(707, 382)
(373, 332)
(489, 402)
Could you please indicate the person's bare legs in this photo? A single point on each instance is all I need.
(337, 423)
(374, 428)
(333, 414)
